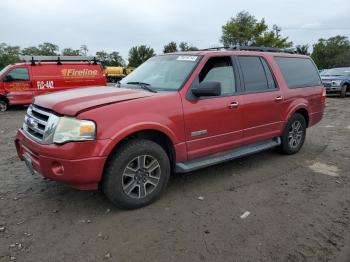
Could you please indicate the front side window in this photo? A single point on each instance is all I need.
(256, 74)
(163, 73)
(219, 69)
(17, 74)
(298, 72)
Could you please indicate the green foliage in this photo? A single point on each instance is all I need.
(110, 59)
(186, 47)
(170, 48)
(70, 52)
(302, 49)
(245, 29)
(32, 50)
(8, 54)
(48, 49)
(116, 59)
(332, 52)
(83, 50)
(139, 54)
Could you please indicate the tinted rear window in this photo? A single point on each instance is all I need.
(254, 75)
(298, 72)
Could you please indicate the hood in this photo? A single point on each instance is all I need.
(76, 100)
(329, 78)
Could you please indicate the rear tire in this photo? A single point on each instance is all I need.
(293, 136)
(343, 91)
(136, 174)
(3, 105)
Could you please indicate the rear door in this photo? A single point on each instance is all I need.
(213, 124)
(262, 112)
(18, 85)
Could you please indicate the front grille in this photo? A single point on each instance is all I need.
(39, 124)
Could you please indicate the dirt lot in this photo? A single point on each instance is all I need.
(299, 208)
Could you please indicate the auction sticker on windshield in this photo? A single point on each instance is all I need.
(187, 58)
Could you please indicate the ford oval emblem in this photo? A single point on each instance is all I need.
(32, 123)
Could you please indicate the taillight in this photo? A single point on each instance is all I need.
(323, 97)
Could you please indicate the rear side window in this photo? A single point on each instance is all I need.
(256, 74)
(17, 74)
(298, 72)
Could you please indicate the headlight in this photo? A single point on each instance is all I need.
(336, 82)
(71, 129)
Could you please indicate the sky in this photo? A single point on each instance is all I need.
(117, 25)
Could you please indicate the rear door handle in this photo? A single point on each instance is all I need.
(279, 98)
(233, 105)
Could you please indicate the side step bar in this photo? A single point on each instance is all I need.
(195, 164)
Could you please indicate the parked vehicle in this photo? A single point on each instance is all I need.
(336, 80)
(175, 113)
(116, 73)
(38, 75)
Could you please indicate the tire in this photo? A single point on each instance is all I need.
(293, 136)
(343, 91)
(136, 174)
(3, 105)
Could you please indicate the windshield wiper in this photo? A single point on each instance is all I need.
(143, 85)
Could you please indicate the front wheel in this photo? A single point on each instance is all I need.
(3, 105)
(293, 136)
(343, 91)
(136, 174)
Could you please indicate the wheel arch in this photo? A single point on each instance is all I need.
(301, 109)
(155, 135)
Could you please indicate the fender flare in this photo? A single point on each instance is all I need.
(119, 136)
(291, 111)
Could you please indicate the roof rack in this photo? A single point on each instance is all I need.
(253, 48)
(59, 59)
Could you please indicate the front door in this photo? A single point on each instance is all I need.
(18, 86)
(213, 124)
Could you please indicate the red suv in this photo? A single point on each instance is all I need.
(175, 113)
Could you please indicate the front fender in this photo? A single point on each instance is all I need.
(137, 127)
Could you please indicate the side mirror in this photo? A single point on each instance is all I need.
(207, 88)
(7, 78)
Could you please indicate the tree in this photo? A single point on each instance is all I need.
(186, 47)
(115, 59)
(83, 50)
(31, 50)
(70, 52)
(332, 52)
(139, 54)
(245, 29)
(102, 56)
(48, 49)
(8, 54)
(170, 48)
(302, 49)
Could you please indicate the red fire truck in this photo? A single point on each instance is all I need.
(37, 75)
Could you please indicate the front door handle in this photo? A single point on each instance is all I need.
(279, 98)
(233, 105)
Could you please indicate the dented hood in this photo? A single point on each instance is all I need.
(76, 100)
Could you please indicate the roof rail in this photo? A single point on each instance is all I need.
(263, 49)
(253, 48)
(58, 59)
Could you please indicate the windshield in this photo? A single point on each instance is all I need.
(336, 72)
(4, 70)
(164, 73)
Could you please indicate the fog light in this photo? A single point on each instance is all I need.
(57, 168)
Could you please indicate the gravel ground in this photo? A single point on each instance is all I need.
(299, 208)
